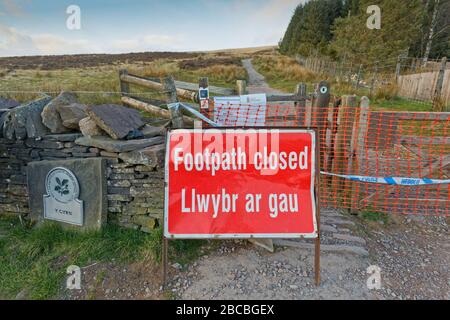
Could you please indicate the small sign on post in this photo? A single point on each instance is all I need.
(203, 94)
(241, 184)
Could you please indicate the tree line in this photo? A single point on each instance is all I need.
(338, 29)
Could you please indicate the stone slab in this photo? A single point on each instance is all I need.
(338, 248)
(50, 115)
(116, 120)
(112, 145)
(72, 114)
(64, 137)
(151, 156)
(91, 177)
(150, 131)
(89, 128)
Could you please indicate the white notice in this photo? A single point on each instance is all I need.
(240, 111)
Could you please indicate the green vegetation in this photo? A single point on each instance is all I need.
(376, 216)
(355, 42)
(310, 27)
(337, 28)
(401, 104)
(34, 259)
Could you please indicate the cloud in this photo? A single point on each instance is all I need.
(277, 9)
(16, 43)
(13, 8)
(13, 42)
(52, 44)
(265, 23)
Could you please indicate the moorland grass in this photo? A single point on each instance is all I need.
(284, 73)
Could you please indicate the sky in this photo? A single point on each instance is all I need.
(38, 27)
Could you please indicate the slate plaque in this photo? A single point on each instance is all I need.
(72, 192)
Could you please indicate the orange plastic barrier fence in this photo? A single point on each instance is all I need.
(401, 159)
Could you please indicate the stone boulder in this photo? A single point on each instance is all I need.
(50, 115)
(72, 114)
(89, 128)
(5, 106)
(25, 120)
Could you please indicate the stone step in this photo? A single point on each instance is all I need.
(302, 244)
(327, 228)
(336, 220)
(330, 213)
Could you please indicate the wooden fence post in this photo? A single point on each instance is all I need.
(335, 66)
(329, 138)
(320, 109)
(124, 86)
(358, 147)
(319, 114)
(300, 91)
(349, 73)
(309, 110)
(398, 68)
(439, 84)
(171, 93)
(372, 84)
(358, 77)
(345, 120)
(241, 87)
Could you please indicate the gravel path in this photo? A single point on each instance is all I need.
(256, 81)
(413, 255)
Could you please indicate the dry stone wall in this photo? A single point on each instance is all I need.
(135, 178)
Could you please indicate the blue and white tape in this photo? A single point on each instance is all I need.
(400, 181)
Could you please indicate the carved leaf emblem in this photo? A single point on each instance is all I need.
(62, 187)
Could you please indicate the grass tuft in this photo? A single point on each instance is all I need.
(376, 216)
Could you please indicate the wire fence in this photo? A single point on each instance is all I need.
(410, 78)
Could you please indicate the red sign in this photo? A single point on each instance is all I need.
(236, 183)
